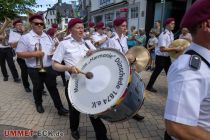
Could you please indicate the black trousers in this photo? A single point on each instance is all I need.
(24, 72)
(74, 117)
(161, 63)
(6, 54)
(49, 79)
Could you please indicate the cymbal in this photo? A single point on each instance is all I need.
(178, 43)
(142, 57)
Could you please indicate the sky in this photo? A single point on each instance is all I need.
(45, 4)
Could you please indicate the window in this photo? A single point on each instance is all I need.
(55, 20)
(51, 21)
(66, 20)
(105, 2)
(109, 17)
(48, 21)
(134, 12)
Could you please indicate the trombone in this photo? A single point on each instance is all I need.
(39, 61)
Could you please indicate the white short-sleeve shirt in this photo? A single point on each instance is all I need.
(27, 44)
(97, 37)
(14, 36)
(164, 40)
(71, 52)
(188, 100)
(118, 43)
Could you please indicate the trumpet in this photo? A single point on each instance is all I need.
(39, 61)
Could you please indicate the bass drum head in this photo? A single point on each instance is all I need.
(110, 70)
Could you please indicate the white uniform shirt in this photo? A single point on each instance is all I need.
(164, 40)
(14, 36)
(118, 43)
(71, 52)
(97, 37)
(188, 99)
(27, 43)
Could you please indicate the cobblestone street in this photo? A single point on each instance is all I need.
(17, 110)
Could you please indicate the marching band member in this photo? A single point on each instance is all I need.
(119, 41)
(14, 37)
(27, 48)
(163, 60)
(6, 54)
(99, 37)
(187, 111)
(71, 51)
(51, 32)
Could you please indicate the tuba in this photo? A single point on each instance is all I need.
(39, 61)
(5, 32)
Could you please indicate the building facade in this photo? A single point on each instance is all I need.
(108, 10)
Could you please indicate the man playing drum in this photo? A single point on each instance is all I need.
(71, 51)
(119, 41)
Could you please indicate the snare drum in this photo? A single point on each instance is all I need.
(115, 93)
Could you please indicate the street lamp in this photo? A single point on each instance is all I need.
(163, 2)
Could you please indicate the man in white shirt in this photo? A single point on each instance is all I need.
(118, 41)
(187, 112)
(99, 37)
(35, 47)
(6, 54)
(71, 51)
(163, 60)
(14, 37)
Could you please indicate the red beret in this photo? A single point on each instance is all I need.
(35, 16)
(99, 25)
(91, 24)
(119, 20)
(169, 20)
(51, 31)
(74, 21)
(17, 21)
(54, 25)
(197, 13)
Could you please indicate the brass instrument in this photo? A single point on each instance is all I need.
(39, 61)
(6, 23)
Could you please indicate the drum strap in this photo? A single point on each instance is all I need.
(192, 52)
(121, 45)
(87, 46)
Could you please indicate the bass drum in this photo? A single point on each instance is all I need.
(114, 93)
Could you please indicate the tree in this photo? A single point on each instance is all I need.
(11, 8)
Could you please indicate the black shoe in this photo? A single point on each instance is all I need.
(138, 118)
(28, 89)
(75, 134)
(39, 108)
(151, 89)
(5, 79)
(44, 93)
(63, 112)
(17, 80)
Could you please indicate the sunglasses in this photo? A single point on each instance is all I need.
(38, 23)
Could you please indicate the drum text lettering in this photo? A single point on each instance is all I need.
(121, 73)
(76, 86)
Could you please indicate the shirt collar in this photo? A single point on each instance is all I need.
(36, 35)
(167, 31)
(204, 52)
(117, 37)
(73, 40)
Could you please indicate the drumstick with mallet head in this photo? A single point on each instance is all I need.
(89, 75)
